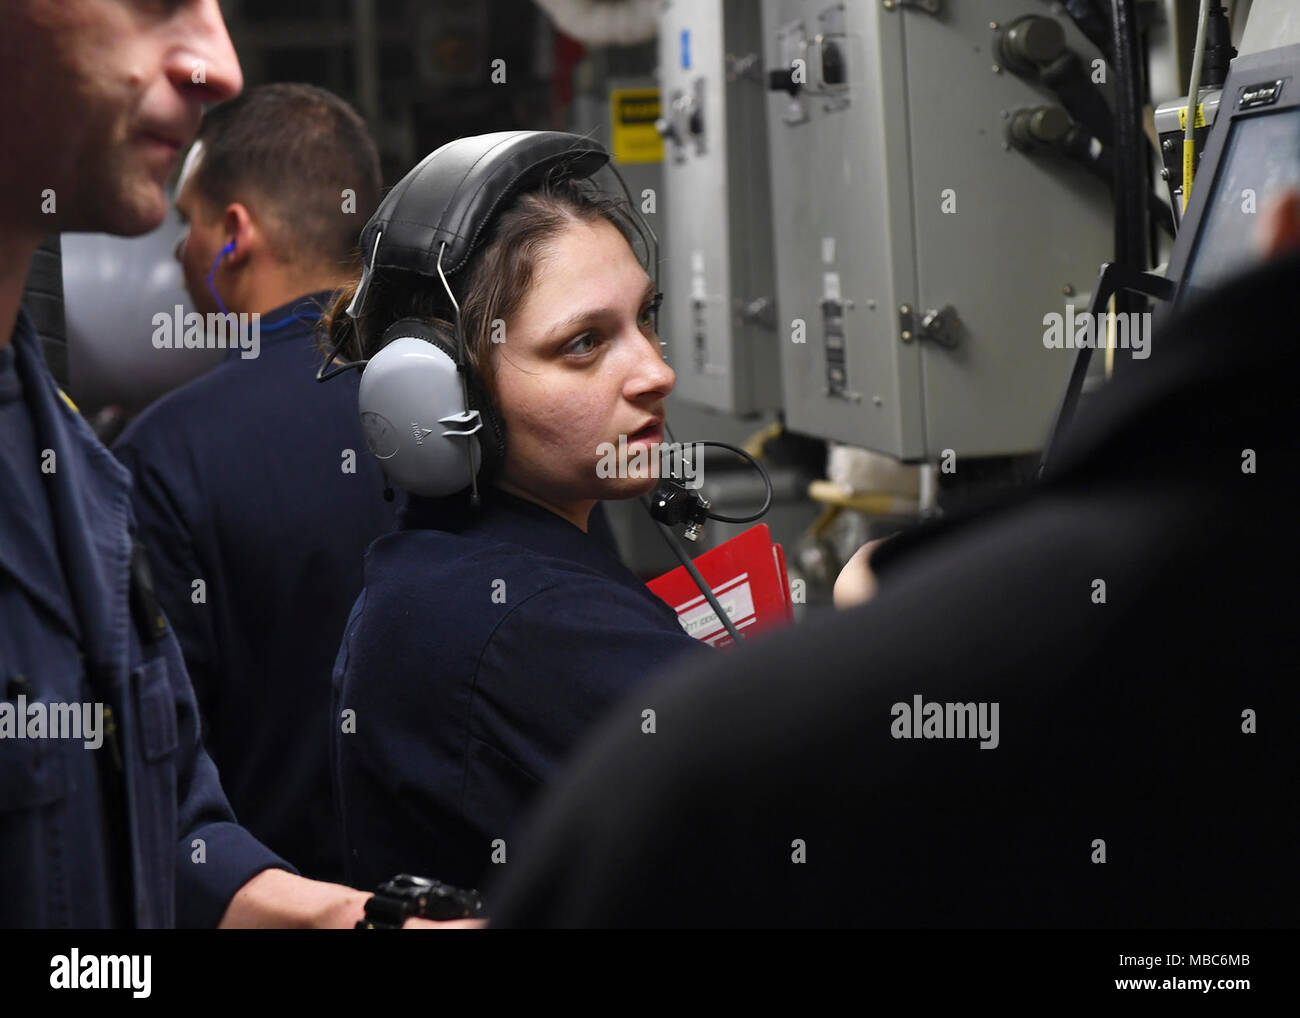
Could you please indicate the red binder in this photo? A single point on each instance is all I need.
(747, 575)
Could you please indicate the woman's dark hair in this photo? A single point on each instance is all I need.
(491, 287)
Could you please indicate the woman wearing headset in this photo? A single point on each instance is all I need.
(487, 640)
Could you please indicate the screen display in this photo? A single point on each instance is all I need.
(1260, 159)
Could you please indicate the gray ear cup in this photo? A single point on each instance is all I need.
(413, 416)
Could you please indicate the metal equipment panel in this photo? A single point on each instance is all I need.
(719, 316)
(920, 250)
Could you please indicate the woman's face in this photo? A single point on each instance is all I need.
(579, 369)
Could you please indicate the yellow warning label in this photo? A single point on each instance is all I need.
(632, 116)
(1200, 117)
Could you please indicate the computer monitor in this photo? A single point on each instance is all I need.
(1252, 153)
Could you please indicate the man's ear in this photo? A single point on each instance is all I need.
(1279, 228)
(237, 225)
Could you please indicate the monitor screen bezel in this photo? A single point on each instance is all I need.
(1246, 71)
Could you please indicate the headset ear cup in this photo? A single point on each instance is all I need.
(446, 380)
(492, 437)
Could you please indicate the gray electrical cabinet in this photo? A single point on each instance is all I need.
(917, 252)
(718, 320)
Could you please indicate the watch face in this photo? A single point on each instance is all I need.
(406, 886)
(405, 896)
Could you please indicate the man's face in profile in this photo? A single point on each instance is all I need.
(101, 98)
(200, 243)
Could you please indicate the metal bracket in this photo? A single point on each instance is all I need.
(941, 327)
(465, 417)
(1113, 277)
(925, 6)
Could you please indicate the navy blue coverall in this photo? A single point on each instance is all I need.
(256, 480)
(481, 649)
(137, 831)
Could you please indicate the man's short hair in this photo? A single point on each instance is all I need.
(291, 152)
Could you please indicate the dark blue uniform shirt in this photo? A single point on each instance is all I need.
(137, 831)
(256, 479)
(481, 649)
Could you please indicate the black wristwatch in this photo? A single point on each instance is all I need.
(406, 896)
